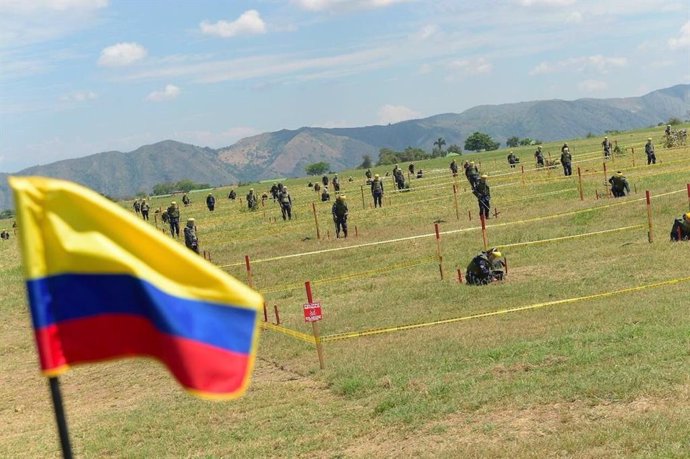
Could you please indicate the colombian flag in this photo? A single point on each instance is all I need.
(103, 284)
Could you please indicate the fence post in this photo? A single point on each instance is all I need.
(364, 206)
(316, 221)
(650, 235)
(265, 313)
(606, 182)
(455, 198)
(459, 276)
(250, 278)
(633, 155)
(688, 196)
(315, 328)
(438, 250)
(579, 181)
(484, 236)
(522, 175)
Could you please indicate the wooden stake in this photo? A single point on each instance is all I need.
(315, 328)
(522, 175)
(265, 312)
(459, 276)
(633, 155)
(356, 232)
(688, 196)
(455, 198)
(606, 182)
(250, 279)
(469, 214)
(364, 206)
(316, 221)
(650, 234)
(485, 239)
(438, 250)
(579, 181)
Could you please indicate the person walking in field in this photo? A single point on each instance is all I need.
(472, 174)
(340, 214)
(185, 199)
(145, 209)
(681, 228)
(174, 219)
(252, 201)
(453, 168)
(377, 191)
(649, 150)
(483, 194)
(619, 185)
(324, 180)
(539, 156)
(410, 169)
(566, 161)
(210, 202)
(136, 206)
(606, 145)
(485, 268)
(190, 239)
(336, 183)
(512, 160)
(285, 204)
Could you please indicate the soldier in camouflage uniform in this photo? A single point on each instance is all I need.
(340, 214)
(285, 204)
(472, 174)
(453, 168)
(649, 150)
(539, 156)
(336, 183)
(566, 161)
(210, 202)
(485, 268)
(377, 191)
(606, 145)
(190, 239)
(174, 219)
(136, 206)
(145, 209)
(619, 185)
(681, 228)
(483, 194)
(252, 202)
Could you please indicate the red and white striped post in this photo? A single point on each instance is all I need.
(315, 328)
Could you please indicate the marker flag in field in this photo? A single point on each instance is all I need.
(104, 284)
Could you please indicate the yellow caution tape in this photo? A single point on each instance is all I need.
(289, 332)
(377, 331)
(574, 236)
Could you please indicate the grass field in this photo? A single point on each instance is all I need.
(601, 376)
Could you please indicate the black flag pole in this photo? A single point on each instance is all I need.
(60, 417)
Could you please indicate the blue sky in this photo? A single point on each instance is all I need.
(79, 77)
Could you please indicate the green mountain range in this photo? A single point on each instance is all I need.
(287, 152)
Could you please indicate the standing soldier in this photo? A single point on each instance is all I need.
(367, 174)
(483, 194)
(377, 191)
(190, 239)
(512, 159)
(539, 156)
(210, 202)
(137, 206)
(454, 168)
(399, 178)
(174, 219)
(274, 192)
(619, 185)
(185, 199)
(566, 161)
(324, 180)
(252, 203)
(285, 204)
(649, 149)
(410, 168)
(145, 209)
(336, 183)
(606, 145)
(340, 214)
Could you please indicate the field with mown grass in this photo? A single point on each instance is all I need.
(604, 375)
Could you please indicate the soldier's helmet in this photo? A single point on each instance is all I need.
(649, 139)
(342, 198)
(251, 190)
(619, 174)
(687, 217)
(173, 203)
(495, 253)
(210, 194)
(538, 147)
(484, 177)
(376, 176)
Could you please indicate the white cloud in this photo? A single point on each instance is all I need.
(592, 86)
(426, 32)
(479, 66)
(170, 92)
(249, 23)
(122, 54)
(683, 40)
(396, 113)
(546, 2)
(597, 63)
(336, 5)
(79, 96)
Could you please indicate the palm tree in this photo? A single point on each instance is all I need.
(440, 143)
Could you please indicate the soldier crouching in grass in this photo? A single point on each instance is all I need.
(190, 238)
(485, 268)
(681, 228)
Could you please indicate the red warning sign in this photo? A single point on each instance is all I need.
(312, 312)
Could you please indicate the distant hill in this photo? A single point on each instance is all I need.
(287, 152)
